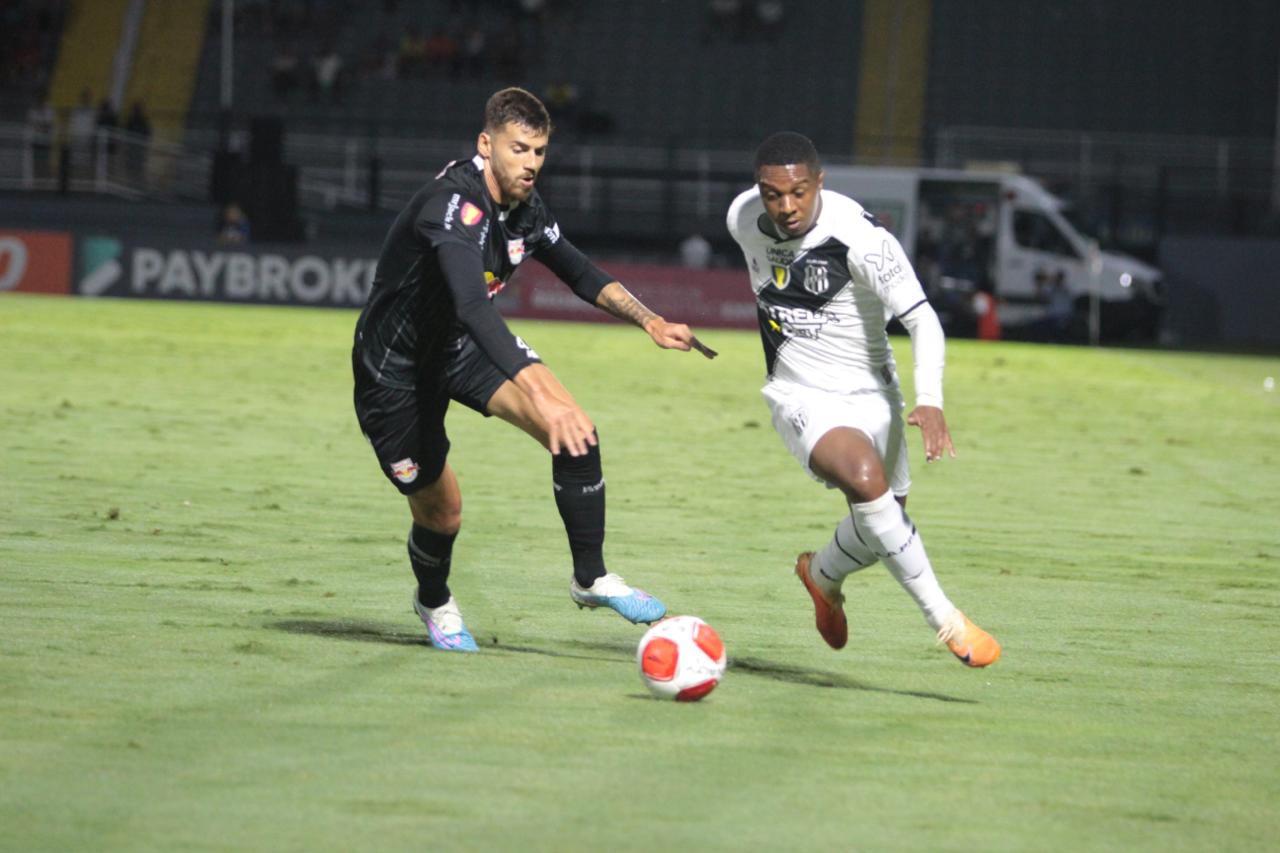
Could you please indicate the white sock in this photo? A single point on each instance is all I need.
(845, 554)
(887, 529)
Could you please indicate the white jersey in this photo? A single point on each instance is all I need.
(823, 299)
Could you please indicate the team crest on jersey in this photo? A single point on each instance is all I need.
(471, 214)
(815, 276)
(781, 276)
(406, 470)
(515, 250)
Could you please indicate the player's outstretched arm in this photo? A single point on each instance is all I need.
(618, 301)
(568, 426)
(928, 351)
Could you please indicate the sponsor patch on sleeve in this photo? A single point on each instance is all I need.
(471, 214)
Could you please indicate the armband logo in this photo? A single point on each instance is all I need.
(553, 233)
(888, 267)
(471, 214)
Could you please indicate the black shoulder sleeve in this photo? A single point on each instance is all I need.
(452, 217)
(463, 270)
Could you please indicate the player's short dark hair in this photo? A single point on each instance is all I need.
(788, 148)
(517, 105)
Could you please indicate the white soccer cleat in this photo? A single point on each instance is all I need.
(445, 626)
(634, 605)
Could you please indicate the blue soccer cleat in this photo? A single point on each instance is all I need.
(444, 624)
(611, 591)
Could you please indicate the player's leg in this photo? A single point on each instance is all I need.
(406, 430)
(801, 416)
(437, 517)
(848, 459)
(579, 487)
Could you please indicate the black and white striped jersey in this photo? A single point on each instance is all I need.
(823, 299)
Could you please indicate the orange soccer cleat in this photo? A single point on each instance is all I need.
(972, 645)
(828, 612)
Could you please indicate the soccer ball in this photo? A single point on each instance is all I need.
(681, 658)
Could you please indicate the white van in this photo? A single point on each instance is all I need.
(1004, 234)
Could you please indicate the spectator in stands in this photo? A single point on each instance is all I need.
(139, 126)
(562, 100)
(105, 125)
(233, 226)
(1062, 309)
(509, 48)
(695, 252)
(40, 119)
(769, 18)
(328, 70)
(81, 126)
(723, 21)
(532, 16)
(412, 56)
(471, 54)
(440, 51)
(284, 71)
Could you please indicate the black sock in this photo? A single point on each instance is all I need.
(579, 487)
(430, 554)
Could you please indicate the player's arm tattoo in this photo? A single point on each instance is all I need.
(618, 301)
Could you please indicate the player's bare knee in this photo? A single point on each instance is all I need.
(861, 481)
(439, 512)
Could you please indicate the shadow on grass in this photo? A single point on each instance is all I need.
(372, 632)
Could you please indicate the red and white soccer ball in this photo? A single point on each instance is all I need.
(681, 658)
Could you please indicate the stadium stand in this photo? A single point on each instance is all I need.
(676, 86)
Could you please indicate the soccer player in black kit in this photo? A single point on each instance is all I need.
(430, 333)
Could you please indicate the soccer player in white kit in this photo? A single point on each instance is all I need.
(827, 278)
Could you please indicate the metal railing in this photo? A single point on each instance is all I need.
(107, 162)
(1221, 166)
(1132, 187)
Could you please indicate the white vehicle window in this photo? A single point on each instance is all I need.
(1034, 230)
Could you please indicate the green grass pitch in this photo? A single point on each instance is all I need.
(206, 640)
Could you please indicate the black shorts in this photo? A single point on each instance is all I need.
(406, 427)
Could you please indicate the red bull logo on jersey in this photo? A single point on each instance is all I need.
(515, 250)
(405, 470)
(471, 214)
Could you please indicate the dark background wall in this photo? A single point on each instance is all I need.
(1142, 66)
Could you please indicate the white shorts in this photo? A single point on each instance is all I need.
(802, 415)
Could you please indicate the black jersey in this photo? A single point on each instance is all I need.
(449, 252)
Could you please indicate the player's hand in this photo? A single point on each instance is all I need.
(933, 426)
(676, 336)
(568, 426)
